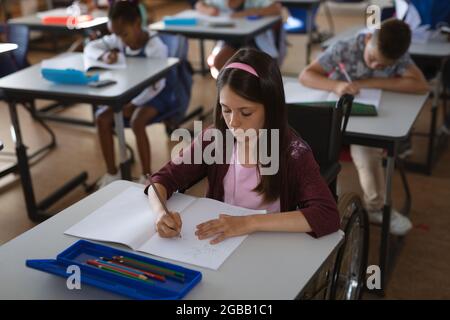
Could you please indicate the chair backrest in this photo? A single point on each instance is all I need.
(179, 78)
(322, 127)
(19, 35)
(7, 65)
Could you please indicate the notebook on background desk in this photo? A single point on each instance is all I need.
(366, 103)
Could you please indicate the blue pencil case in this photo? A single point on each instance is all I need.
(173, 287)
(68, 76)
(178, 21)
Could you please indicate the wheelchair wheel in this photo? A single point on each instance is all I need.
(350, 268)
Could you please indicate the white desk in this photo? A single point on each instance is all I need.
(264, 266)
(34, 22)
(396, 115)
(243, 31)
(7, 47)
(435, 47)
(28, 84)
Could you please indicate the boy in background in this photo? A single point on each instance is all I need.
(372, 60)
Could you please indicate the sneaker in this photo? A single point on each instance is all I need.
(107, 179)
(444, 130)
(399, 226)
(142, 180)
(405, 149)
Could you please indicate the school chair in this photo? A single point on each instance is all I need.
(10, 63)
(323, 127)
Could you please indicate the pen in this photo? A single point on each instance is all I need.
(342, 68)
(160, 200)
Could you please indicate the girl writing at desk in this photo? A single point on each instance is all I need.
(296, 198)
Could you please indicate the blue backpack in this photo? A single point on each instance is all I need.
(433, 12)
(179, 78)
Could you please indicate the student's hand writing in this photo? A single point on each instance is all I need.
(212, 11)
(169, 225)
(111, 57)
(239, 14)
(345, 87)
(224, 227)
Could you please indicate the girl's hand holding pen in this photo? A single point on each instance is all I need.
(346, 87)
(169, 225)
(111, 56)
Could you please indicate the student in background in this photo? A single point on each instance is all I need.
(372, 60)
(130, 39)
(106, 4)
(240, 8)
(250, 96)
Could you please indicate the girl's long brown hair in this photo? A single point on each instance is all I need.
(267, 89)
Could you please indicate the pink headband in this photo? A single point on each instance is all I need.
(242, 66)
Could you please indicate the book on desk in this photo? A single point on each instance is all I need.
(366, 103)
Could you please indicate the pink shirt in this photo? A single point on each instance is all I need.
(238, 186)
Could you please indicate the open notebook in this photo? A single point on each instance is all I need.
(67, 62)
(91, 64)
(127, 219)
(366, 103)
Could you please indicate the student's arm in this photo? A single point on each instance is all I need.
(201, 7)
(97, 49)
(227, 226)
(273, 9)
(167, 226)
(411, 81)
(179, 173)
(315, 76)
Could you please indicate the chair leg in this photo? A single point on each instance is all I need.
(407, 204)
(31, 108)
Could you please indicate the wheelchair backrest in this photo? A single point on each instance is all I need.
(322, 127)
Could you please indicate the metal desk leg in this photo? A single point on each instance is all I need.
(384, 245)
(434, 110)
(204, 69)
(433, 149)
(309, 26)
(22, 161)
(125, 164)
(35, 210)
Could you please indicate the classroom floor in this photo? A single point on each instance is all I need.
(422, 267)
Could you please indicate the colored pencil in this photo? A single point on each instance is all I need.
(132, 269)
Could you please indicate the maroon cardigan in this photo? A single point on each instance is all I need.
(302, 186)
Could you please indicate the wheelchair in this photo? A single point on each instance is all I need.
(342, 276)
